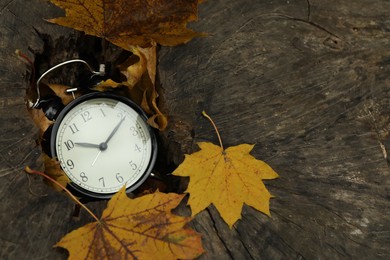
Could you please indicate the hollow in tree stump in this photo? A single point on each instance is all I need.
(306, 81)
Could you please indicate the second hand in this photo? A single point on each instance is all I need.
(94, 161)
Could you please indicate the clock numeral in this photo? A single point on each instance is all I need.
(133, 165)
(102, 181)
(104, 115)
(73, 128)
(119, 178)
(69, 145)
(70, 164)
(84, 177)
(120, 115)
(86, 116)
(134, 131)
(137, 148)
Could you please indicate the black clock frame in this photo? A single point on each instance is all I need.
(79, 191)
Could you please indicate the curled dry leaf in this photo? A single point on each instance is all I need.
(141, 228)
(127, 23)
(135, 23)
(40, 120)
(140, 72)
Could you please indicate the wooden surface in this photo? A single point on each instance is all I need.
(306, 81)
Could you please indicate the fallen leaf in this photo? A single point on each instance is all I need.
(140, 72)
(141, 228)
(131, 25)
(40, 120)
(142, 60)
(145, 90)
(127, 23)
(226, 178)
(148, 63)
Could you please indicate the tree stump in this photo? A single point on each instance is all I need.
(305, 81)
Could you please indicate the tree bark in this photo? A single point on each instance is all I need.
(305, 81)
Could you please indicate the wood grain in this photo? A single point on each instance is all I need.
(306, 81)
(33, 216)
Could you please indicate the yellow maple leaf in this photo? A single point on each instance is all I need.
(226, 178)
(137, 22)
(141, 228)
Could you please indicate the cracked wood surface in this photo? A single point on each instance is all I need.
(306, 81)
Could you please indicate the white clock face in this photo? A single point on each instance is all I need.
(103, 144)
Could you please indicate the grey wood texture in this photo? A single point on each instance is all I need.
(306, 81)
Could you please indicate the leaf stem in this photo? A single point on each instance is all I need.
(215, 127)
(31, 171)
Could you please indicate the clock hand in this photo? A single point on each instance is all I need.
(114, 130)
(97, 156)
(88, 145)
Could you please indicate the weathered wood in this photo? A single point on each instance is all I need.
(33, 216)
(306, 81)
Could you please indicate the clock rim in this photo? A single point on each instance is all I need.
(80, 191)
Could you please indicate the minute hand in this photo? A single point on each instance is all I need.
(114, 131)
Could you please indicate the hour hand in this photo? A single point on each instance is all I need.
(88, 145)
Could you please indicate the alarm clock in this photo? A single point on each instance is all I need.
(102, 142)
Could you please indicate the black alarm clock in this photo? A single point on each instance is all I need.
(102, 142)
